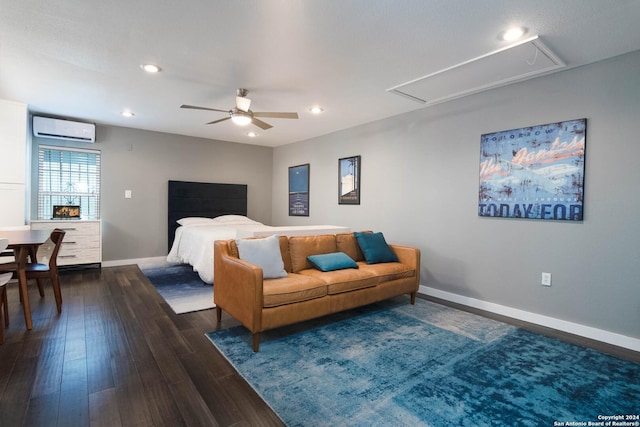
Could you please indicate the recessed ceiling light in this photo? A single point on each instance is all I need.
(127, 113)
(252, 134)
(513, 34)
(151, 68)
(316, 110)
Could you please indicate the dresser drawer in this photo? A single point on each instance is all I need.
(82, 243)
(78, 229)
(78, 255)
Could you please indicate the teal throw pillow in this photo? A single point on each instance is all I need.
(375, 248)
(332, 261)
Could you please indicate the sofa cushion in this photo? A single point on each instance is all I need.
(284, 250)
(347, 243)
(300, 247)
(375, 248)
(387, 271)
(264, 253)
(332, 261)
(339, 281)
(291, 289)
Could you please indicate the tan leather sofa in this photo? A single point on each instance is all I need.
(306, 292)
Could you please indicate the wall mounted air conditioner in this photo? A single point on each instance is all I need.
(46, 127)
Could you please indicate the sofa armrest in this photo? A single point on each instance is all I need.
(237, 287)
(408, 255)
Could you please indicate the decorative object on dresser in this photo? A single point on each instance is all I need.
(82, 244)
(66, 212)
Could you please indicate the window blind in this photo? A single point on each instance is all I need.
(68, 176)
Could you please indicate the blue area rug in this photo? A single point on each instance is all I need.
(181, 287)
(428, 365)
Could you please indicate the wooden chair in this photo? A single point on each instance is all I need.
(42, 265)
(46, 266)
(4, 279)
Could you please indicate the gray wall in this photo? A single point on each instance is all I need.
(420, 187)
(143, 162)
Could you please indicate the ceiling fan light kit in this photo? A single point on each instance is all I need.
(242, 115)
(240, 118)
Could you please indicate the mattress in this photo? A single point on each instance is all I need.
(193, 243)
(295, 230)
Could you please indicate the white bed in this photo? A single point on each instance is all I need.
(193, 242)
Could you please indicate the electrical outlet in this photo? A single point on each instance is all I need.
(546, 279)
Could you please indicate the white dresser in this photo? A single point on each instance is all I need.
(82, 243)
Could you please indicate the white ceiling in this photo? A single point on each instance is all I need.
(81, 58)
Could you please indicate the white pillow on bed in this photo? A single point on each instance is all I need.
(264, 253)
(194, 220)
(233, 219)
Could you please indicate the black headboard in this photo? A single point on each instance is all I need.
(203, 199)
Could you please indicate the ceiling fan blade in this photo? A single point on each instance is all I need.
(193, 107)
(218, 121)
(262, 125)
(243, 103)
(276, 115)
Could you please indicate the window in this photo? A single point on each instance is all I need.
(68, 176)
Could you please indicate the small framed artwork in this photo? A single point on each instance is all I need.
(534, 173)
(66, 212)
(299, 190)
(349, 181)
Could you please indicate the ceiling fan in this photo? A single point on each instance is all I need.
(242, 115)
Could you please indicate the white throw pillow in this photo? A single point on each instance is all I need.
(264, 253)
(194, 220)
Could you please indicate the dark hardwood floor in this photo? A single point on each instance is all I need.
(118, 355)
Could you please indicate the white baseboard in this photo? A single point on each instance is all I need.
(139, 261)
(538, 319)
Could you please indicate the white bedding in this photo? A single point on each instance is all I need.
(193, 243)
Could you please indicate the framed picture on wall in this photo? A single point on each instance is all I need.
(299, 190)
(349, 181)
(535, 172)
